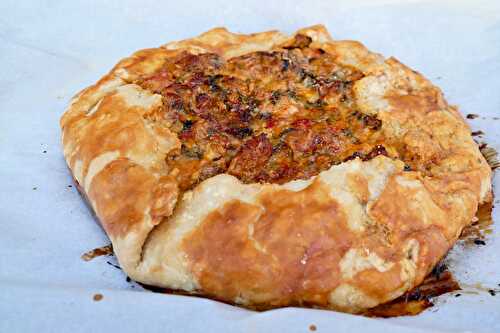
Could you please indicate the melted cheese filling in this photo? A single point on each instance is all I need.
(267, 117)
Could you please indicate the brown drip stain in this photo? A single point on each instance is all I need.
(472, 116)
(477, 133)
(478, 288)
(97, 297)
(490, 154)
(100, 251)
(312, 328)
(475, 233)
(415, 301)
(481, 226)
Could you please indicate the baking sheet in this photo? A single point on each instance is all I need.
(51, 49)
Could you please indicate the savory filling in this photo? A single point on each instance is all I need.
(262, 117)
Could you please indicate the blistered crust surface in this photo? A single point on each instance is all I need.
(355, 236)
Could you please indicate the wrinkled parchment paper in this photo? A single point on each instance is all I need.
(49, 50)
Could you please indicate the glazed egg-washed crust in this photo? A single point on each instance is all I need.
(351, 236)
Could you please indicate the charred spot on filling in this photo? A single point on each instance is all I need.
(263, 117)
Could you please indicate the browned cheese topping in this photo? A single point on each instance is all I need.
(263, 117)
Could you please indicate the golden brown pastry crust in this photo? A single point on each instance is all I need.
(357, 235)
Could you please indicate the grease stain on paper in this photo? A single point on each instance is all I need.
(97, 252)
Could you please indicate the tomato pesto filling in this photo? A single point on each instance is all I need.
(263, 117)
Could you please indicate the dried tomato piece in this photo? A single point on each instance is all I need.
(251, 158)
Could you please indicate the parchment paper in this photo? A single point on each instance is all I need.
(49, 50)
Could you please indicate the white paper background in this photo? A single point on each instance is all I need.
(51, 49)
